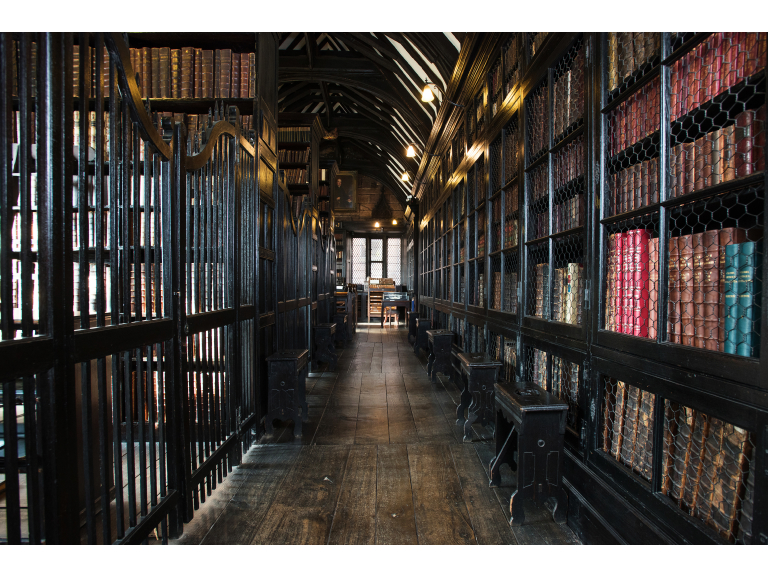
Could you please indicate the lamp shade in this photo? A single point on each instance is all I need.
(411, 151)
(427, 95)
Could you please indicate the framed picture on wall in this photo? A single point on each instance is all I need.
(344, 191)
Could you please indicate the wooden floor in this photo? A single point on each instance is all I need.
(381, 461)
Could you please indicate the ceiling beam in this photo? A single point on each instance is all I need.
(324, 92)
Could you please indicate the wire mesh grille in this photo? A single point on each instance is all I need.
(538, 202)
(538, 287)
(537, 113)
(566, 385)
(459, 284)
(510, 282)
(509, 359)
(511, 150)
(512, 63)
(630, 56)
(535, 368)
(707, 469)
(568, 279)
(496, 167)
(358, 260)
(480, 103)
(480, 184)
(568, 180)
(626, 430)
(394, 258)
(458, 147)
(495, 345)
(632, 277)
(471, 198)
(511, 216)
(495, 289)
(473, 288)
(481, 233)
(496, 225)
(715, 283)
(495, 83)
(472, 252)
(535, 41)
(633, 150)
(568, 92)
(470, 123)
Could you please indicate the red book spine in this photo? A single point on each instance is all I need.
(744, 143)
(640, 276)
(758, 145)
(653, 287)
(698, 290)
(687, 313)
(627, 314)
(710, 289)
(618, 282)
(673, 302)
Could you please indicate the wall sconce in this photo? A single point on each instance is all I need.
(394, 222)
(377, 225)
(427, 95)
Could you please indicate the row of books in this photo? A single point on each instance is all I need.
(568, 214)
(632, 283)
(510, 153)
(538, 225)
(627, 431)
(90, 88)
(635, 118)
(480, 291)
(538, 185)
(194, 73)
(708, 469)
(510, 232)
(567, 294)
(535, 41)
(629, 51)
(568, 163)
(566, 377)
(296, 175)
(510, 361)
(568, 95)
(720, 62)
(506, 301)
(512, 65)
(634, 187)
(538, 121)
(714, 286)
(538, 368)
(725, 154)
(296, 156)
(541, 290)
(510, 216)
(495, 84)
(479, 110)
(294, 134)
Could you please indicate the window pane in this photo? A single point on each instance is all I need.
(377, 250)
(393, 259)
(377, 269)
(358, 260)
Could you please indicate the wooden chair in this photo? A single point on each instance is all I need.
(389, 313)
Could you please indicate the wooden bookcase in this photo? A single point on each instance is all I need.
(542, 191)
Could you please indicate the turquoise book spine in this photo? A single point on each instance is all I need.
(749, 290)
(731, 298)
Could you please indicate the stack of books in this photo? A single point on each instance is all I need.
(510, 361)
(629, 52)
(294, 134)
(568, 97)
(634, 187)
(634, 119)
(294, 156)
(512, 66)
(567, 294)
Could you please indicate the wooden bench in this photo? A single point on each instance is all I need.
(287, 372)
(439, 360)
(421, 343)
(324, 347)
(530, 422)
(411, 318)
(480, 371)
(342, 334)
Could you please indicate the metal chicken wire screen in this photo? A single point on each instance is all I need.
(496, 165)
(511, 217)
(513, 58)
(708, 469)
(509, 359)
(568, 182)
(568, 92)
(511, 149)
(510, 284)
(537, 117)
(535, 368)
(626, 430)
(568, 279)
(538, 202)
(538, 286)
(630, 55)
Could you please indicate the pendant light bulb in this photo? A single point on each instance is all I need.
(394, 222)
(411, 152)
(377, 225)
(427, 95)
(405, 177)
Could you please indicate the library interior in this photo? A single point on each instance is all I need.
(383, 288)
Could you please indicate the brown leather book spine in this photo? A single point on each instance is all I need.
(75, 69)
(252, 75)
(235, 83)
(699, 161)
(186, 81)
(710, 290)
(689, 162)
(165, 73)
(208, 85)
(758, 131)
(673, 301)
(156, 72)
(217, 74)
(225, 86)
(645, 198)
(698, 290)
(146, 72)
(727, 236)
(653, 180)
(175, 73)
(715, 158)
(744, 143)
(198, 74)
(706, 160)
(637, 176)
(728, 152)
(687, 309)
(245, 74)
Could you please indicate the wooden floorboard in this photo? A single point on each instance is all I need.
(302, 510)
(354, 521)
(395, 523)
(439, 509)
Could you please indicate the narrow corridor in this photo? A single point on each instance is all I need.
(381, 461)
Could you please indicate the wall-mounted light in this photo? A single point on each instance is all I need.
(427, 95)
(394, 222)
(377, 225)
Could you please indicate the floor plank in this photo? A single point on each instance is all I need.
(354, 521)
(302, 510)
(439, 509)
(395, 523)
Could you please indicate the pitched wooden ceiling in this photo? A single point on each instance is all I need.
(367, 86)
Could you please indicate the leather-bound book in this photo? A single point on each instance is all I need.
(197, 77)
(245, 74)
(637, 185)
(727, 237)
(75, 69)
(698, 290)
(610, 285)
(674, 172)
(235, 81)
(155, 73)
(146, 72)
(699, 161)
(653, 180)
(728, 152)
(689, 163)
(165, 73)
(207, 78)
(645, 183)
(653, 287)
(629, 427)
(694, 468)
(687, 308)
(710, 287)
(225, 78)
(744, 142)
(627, 277)
(644, 464)
(252, 75)
(217, 74)
(175, 73)
(673, 295)
(619, 413)
(749, 293)
(638, 44)
(186, 82)
(639, 240)
(621, 239)
(758, 144)
(716, 162)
